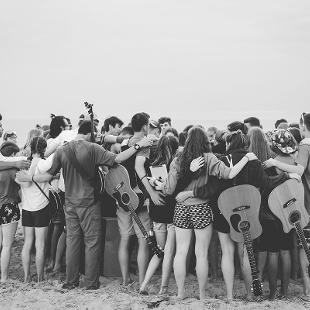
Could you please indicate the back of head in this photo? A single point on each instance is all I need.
(127, 130)
(295, 133)
(113, 120)
(172, 131)
(33, 133)
(252, 121)
(57, 125)
(234, 126)
(139, 120)
(283, 142)
(38, 146)
(236, 140)
(85, 128)
(166, 149)
(258, 144)
(196, 145)
(8, 148)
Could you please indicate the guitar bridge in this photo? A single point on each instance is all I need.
(117, 187)
(241, 208)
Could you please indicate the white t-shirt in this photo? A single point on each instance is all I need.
(63, 137)
(31, 197)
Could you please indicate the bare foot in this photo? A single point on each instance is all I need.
(128, 282)
(163, 290)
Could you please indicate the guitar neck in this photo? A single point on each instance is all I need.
(138, 221)
(302, 239)
(249, 248)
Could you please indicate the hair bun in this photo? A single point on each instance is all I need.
(53, 115)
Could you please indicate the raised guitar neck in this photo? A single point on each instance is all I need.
(137, 219)
(249, 248)
(302, 239)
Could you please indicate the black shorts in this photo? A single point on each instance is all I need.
(192, 216)
(40, 218)
(219, 224)
(273, 238)
(9, 213)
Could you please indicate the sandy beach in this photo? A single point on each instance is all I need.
(111, 295)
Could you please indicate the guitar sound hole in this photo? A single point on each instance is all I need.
(125, 198)
(235, 219)
(294, 217)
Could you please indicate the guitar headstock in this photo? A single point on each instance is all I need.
(155, 248)
(89, 107)
(257, 287)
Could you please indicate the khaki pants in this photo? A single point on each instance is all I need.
(83, 224)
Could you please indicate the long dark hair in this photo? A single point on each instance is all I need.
(55, 127)
(237, 140)
(166, 149)
(196, 145)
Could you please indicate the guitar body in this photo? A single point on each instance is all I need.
(117, 185)
(286, 202)
(240, 207)
(238, 204)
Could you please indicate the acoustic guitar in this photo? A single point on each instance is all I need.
(286, 202)
(117, 185)
(240, 207)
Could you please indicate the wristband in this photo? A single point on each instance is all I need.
(246, 155)
(119, 139)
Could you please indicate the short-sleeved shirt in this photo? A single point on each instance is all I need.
(79, 190)
(303, 158)
(129, 164)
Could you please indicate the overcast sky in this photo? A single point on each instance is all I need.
(213, 60)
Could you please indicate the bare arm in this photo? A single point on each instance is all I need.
(21, 164)
(299, 169)
(140, 170)
(145, 142)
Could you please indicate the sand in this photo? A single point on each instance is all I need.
(111, 295)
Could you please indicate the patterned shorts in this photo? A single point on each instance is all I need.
(192, 216)
(9, 213)
(306, 231)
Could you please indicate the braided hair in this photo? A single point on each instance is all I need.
(38, 146)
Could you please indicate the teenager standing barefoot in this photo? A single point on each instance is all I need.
(9, 210)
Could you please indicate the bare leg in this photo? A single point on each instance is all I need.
(262, 257)
(203, 238)
(183, 239)
(155, 261)
(273, 258)
(8, 232)
(304, 264)
(168, 260)
(142, 258)
(228, 266)
(213, 256)
(60, 252)
(286, 271)
(294, 258)
(1, 238)
(123, 257)
(57, 231)
(245, 268)
(41, 234)
(26, 252)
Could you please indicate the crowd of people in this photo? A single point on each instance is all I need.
(180, 209)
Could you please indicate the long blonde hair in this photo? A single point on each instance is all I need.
(258, 144)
